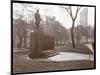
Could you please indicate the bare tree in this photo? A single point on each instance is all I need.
(78, 34)
(73, 18)
(21, 25)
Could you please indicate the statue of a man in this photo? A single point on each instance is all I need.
(37, 19)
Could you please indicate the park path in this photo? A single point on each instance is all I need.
(67, 56)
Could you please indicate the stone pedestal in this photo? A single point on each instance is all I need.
(40, 43)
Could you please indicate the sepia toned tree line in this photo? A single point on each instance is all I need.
(73, 19)
(79, 31)
(53, 28)
(84, 31)
(22, 27)
(56, 29)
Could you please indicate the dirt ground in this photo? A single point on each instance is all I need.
(21, 65)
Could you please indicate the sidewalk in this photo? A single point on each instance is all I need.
(63, 56)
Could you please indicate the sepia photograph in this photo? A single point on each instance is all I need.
(50, 37)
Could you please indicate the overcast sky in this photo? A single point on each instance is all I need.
(61, 15)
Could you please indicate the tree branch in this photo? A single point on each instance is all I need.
(78, 8)
(69, 10)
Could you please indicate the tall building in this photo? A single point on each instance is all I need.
(84, 16)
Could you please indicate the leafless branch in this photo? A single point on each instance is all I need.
(69, 10)
(78, 8)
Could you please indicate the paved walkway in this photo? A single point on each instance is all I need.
(66, 56)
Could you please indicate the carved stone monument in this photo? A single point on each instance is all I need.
(41, 45)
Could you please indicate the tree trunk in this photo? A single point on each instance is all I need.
(25, 41)
(72, 35)
(20, 42)
(77, 41)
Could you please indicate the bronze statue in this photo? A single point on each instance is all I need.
(37, 19)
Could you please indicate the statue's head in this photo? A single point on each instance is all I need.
(37, 10)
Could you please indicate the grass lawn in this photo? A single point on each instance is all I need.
(21, 65)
